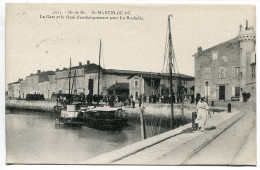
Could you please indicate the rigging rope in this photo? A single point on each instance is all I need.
(166, 47)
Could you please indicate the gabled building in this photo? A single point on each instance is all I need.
(158, 84)
(227, 70)
(14, 89)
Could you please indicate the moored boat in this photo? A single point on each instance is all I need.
(104, 118)
(69, 116)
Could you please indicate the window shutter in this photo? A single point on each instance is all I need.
(233, 90)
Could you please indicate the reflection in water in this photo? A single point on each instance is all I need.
(33, 137)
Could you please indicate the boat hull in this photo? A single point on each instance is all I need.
(105, 124)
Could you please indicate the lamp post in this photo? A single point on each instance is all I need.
(207, 85)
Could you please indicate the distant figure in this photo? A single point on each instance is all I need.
(197, 98)
(150, 99)
(202, 114)
(129, 101)
(133, 102)
(140, 100)
(192, 99)
(154, 98)
(162, 99)
(144, 98)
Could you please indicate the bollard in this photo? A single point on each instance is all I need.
(194, 116)
(229, 107)
(212, 103)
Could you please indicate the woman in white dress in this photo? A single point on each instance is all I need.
(202, 114)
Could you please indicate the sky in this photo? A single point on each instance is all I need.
(34, 43)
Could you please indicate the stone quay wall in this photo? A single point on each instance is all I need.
(43, 105)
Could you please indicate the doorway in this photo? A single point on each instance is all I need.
(90, 86)
(221, 92)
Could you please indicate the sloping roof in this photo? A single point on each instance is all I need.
(17, 82)
(162, 75)
(215, 46)
(144, 73)
(146, 76)
(92, 68)
(88, 67)
(119, 86)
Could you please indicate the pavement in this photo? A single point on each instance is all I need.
(184, 146)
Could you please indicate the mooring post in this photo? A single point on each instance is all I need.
(143, 133)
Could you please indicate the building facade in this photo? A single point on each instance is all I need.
(84, 79)
(227, 70)
(14, 89)
(158, 84)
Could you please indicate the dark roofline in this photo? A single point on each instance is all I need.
(144, 73)
(208, 49)
(72, 68)
(163, 75)
(43, 72)
(13, 83)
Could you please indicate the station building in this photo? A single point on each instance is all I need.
(227, 70)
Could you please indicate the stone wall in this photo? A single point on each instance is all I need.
(31, 105)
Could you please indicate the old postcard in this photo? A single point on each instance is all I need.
(130, 84)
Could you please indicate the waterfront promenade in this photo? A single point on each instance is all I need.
(229, 139)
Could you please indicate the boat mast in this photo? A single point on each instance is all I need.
(69, 75)
(170, 68)
(99, 69)
(74, 78)
(143, 130)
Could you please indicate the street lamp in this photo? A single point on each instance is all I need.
(207, 85)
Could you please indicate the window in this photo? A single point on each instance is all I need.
(253, 71)
(152, 83)
(237, 72)
(207, 73)
(221, 72)
(214, 55)
(136, 83)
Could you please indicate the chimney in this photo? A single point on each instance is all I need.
(38, 71)
(240, 27)
(199, 49)
(57, 69)
(246, 24)
(80, 63)
(88, 62)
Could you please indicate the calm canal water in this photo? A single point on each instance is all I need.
(37, 138)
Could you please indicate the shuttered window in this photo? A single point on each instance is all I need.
(222, 73)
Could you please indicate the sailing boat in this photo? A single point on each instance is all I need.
(103, 118)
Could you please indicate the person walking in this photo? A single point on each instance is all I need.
(202, 114)
(140, 100)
